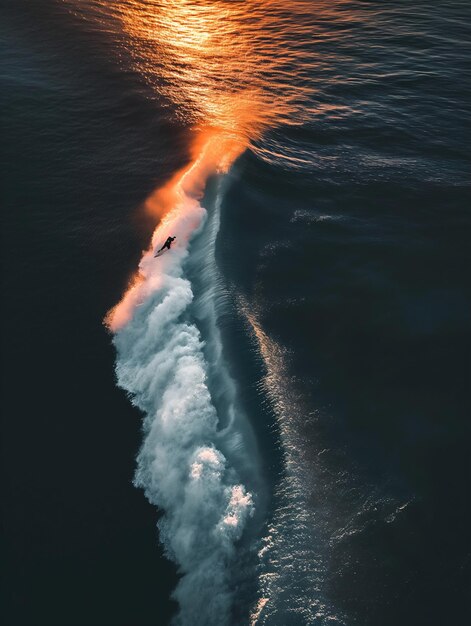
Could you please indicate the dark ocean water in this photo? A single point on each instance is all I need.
(343, 252)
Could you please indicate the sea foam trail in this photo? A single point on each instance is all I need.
(162, 365)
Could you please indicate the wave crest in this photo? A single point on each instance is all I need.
(162, 366)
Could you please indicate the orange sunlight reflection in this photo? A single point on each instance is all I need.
(204, 57)
(201, 53)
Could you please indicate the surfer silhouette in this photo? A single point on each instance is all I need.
(167, 245)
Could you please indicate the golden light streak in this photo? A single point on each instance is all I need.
(224, 67)
(205, 57)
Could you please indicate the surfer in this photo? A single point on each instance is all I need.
(167, 244)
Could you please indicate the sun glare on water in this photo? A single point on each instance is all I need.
(224, 67)
(201, 55)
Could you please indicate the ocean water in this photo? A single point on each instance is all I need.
(288, 386)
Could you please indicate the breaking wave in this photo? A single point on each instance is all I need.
(197, 443)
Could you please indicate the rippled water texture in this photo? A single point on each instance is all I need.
(343, 125)
(245, 65)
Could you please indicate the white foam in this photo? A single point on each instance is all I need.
(161, 364)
